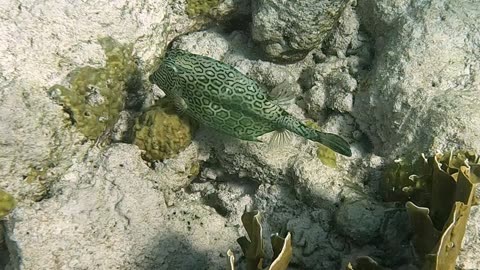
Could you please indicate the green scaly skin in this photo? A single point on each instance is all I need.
(222, 98)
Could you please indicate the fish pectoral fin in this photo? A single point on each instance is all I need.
(180, 104)
(282, 94)
(280, 138)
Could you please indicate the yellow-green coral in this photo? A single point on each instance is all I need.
(444, 188)
(162, 133)
(7, 203)
(194, 170)
(252, 247)
(200, 7)
(406, 179)
(96, 96)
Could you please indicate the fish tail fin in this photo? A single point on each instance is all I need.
(332, 141)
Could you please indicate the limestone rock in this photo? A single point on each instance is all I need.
(422, 92)
(107, 207)
(360, 220)
(288, 30)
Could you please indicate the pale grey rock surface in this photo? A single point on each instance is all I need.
(107, 208)
(41, 42)
(360, 211)
(331, 86)
(208, 43)
(289, 30)
(117, 217)
(345, 33)
(178, 172)
(423, 91)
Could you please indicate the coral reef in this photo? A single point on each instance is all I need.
(115, 213)
(287, 31)
(253, 248)
(441, 191)
(161, 133)
(421, 77)
(95, 96)
(391, 77)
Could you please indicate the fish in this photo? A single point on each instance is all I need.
(219, 96)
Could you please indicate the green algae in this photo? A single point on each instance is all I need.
(200, 7)
(407, 179)
(7, 203)
(95, 96)
(37, 177)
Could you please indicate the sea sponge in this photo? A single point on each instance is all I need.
(162, 133)
(95, 96)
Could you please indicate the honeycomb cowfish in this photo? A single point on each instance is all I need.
(219, 96)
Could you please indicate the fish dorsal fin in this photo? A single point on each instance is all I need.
(282, 94)
(280, 138)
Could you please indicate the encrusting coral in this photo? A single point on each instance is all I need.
(95, 96)
(161, 132)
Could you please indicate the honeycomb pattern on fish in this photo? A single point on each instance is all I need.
(221, 97)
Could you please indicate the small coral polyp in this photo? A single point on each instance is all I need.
(95, 96)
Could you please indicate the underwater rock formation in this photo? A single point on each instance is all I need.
(422, 91)
(99, 205)
(288, 30)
